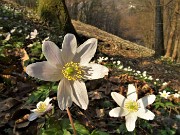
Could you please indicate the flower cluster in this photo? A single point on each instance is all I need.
(71, 66)
(118, 64)
(166, 95)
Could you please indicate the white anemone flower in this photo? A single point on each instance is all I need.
(144, 74)
(8, 37)
(42, 108)
(106, 58)
(176, 95)
(165, 83)
(33, 34)
(139, 72)
(100, 59)
(118, 62)
(132, 108)
(150, 78)
(120, 67)
(13, 30)
(164, 94)
(71, 66)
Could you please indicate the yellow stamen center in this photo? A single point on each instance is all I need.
(164, 94)
(72, 71)
(42, 107)
(131, 106)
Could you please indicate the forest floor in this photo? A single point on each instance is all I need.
(20, 93)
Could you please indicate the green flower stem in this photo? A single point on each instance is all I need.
(71, 120)
(134, 132)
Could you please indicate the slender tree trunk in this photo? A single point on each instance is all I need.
(172, 31)
(159, 34)
(178, 53)
(175, 51)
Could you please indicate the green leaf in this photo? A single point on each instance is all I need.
(95, 132)
(66, 132)
(107, 104)
(65, 124)
(40, 94)
(160, 104)
(169, 104)
(54, 88)
(81, 129)
(52, 131)
(156, 106)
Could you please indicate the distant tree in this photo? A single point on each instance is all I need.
(159, 34)
(172, 42)
(28, 3)
(176, 50)
(55, 12)
(100, 13)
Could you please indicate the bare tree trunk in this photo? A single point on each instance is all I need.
(159, 34)
(172, 31)
(178, 53)
(64, 18)
(175, 51)
(55, 11)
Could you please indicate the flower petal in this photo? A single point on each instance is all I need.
(86, 51)
(69, 47)
(160, 93)
(147, 100)
(131, 94)
(33, 116)
(118, 112)
(118, 98)
(44, 71)
(38, 105)
(49, 107)
(130, 121)
(52, 53)
(145, 114)
(80, 96)
(64, 94)
(47, 100)
(95, 71)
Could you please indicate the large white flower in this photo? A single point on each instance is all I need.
(42, 108)
(132, 108)
(70, 65)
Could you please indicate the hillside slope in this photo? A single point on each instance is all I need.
(131, 54)
(113, 45)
